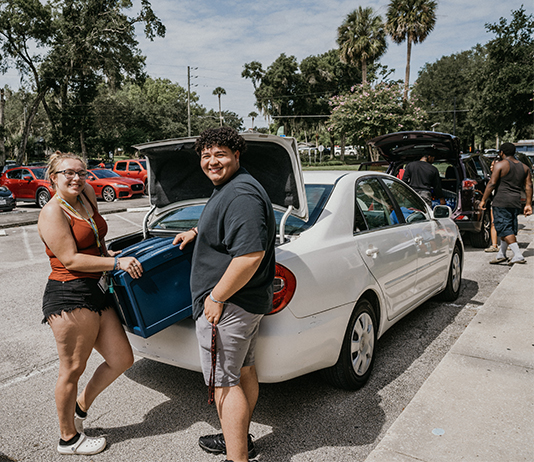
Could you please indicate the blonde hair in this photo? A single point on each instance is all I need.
(56, 159)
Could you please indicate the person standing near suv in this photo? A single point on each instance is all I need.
(507, 179)
(232, 276)
(422, 176)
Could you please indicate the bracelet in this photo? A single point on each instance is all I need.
(116, 264)
(216, 301)
(194, 230)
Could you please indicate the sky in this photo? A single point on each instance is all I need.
(216, 38)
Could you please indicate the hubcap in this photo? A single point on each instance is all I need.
(362, 344)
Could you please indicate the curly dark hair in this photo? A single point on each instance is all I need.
(223, 136)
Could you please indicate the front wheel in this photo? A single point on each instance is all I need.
(454, 279)
(43, 196)
(108, 194)
(357, 356)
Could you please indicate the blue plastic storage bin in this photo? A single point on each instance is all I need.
(162, 296)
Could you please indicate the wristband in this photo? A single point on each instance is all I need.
(216, 301)
(116, 263)
(194, 230)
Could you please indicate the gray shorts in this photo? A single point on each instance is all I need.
(237, 333)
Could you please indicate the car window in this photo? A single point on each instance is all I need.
(471, 169)
(374, 203)
(39, 173)
(15, 174)
(120, 166)
(105, 174)
(187, 217)
(26, 173)
(134, 167)
(412, 206)
(143, 163)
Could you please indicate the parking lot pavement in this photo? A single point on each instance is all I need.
(478, 404)
(28, 214)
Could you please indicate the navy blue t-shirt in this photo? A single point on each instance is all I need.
(237, 220)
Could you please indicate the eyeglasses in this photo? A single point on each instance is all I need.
(70, 174)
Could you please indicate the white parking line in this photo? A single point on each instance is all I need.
(26, 241)
(29, 376)
(129, 221)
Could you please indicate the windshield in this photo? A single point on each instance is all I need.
(39, 173)
(187, 217)
(105, 174)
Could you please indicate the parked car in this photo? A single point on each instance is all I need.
(28, 184)
(463, 180)
(133, 168)
(97, 163)
(356, 252)
(110, 186)
(7, 199)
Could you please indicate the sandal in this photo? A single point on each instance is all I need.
(86, 445)
(496, 261)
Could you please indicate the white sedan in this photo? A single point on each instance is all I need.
(370, 252)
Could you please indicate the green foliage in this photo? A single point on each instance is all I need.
(501, 98)
(366, 112)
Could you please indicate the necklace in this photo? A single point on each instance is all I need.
(89, 220)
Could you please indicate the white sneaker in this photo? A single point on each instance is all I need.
(78, 422)
(85, 445)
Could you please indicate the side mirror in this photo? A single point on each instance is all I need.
(442, 211)
(27, 178)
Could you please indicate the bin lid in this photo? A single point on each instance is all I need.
(174, 173)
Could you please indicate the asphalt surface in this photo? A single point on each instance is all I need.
(475, 405)
(27, 213)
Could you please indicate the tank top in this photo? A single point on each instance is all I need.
(508, 191)
(85, 239)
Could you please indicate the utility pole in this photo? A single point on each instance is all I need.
(188, 101)
(189, 98)
(2, 145)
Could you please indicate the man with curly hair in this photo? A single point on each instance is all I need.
(232, 274)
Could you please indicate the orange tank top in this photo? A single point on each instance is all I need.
(85, 239)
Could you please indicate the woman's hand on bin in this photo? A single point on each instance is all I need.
(132, 266)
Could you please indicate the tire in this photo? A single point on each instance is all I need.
(42, 197)
(108, 194)
(481, 240)
(357, 356)
(454, 279)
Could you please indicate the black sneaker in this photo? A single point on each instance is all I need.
(215, 444)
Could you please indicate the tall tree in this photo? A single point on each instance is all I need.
(410, 21)
(26, 28)
(253, 115)
(361, 38)
(218, 92)
(501, 100)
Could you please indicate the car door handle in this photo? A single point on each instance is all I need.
(418, 240)
(371, 252)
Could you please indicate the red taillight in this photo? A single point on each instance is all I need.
(469, 184)
(285, 284)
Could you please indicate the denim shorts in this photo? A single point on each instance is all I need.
(237, 333)
(505, 221)
(66, 296)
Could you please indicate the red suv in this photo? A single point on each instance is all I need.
(28, 184)
(134, 168)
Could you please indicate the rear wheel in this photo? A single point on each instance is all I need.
(42, 197)
(108, 194)
(357, 356)
(481, 239)
(454, 279)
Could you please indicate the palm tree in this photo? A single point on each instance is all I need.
(253, 115)
(361, 38)
(410, 20)
(220, 91)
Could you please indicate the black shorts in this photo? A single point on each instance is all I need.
(505, 221)
(68, 295)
